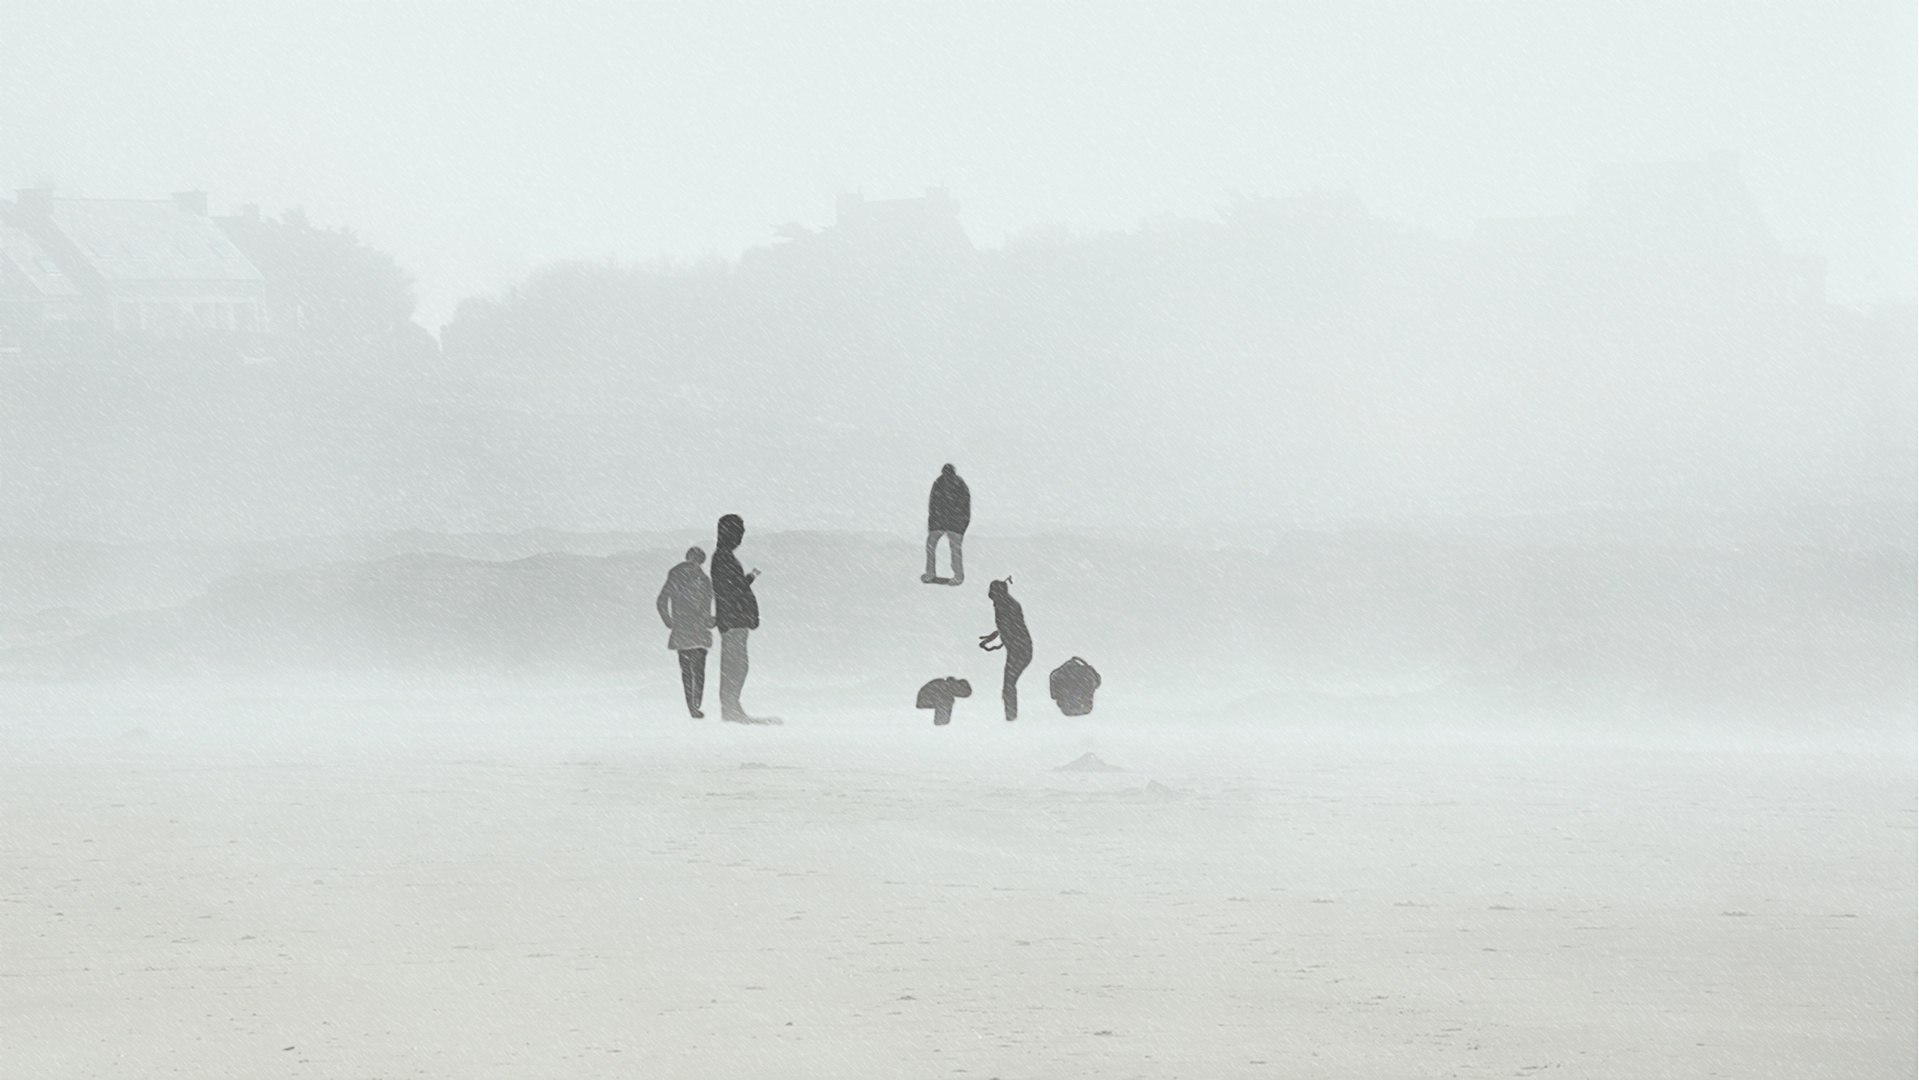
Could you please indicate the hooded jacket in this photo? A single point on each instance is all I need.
(950, 506)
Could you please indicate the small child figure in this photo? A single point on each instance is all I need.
(938, 696)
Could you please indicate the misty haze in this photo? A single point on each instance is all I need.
(1274, 542)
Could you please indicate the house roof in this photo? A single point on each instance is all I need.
(149, 240)
(28, 271)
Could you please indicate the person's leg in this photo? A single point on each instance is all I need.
(953, 539)
(1009, 689)
(732, 673)
(932, 542)
(693, 680)
(692, 669)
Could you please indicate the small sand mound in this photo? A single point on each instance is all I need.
(1158, 792)
(1087, 763)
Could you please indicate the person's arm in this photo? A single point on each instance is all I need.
(665, 603)
(985, 641)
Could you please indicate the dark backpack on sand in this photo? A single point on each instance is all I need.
(1072, 685)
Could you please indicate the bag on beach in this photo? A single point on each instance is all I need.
(1072, 685)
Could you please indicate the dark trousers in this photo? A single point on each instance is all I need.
(1009, 689)
(693, 677)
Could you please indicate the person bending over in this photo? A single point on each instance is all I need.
(938, 696)
(1010, 620)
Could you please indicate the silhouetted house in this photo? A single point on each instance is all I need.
(38, 302)
(1682, 233)
(149, 267)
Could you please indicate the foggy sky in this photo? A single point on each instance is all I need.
(477, 144)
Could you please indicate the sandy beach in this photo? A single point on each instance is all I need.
(520, 883)
(1465, 456)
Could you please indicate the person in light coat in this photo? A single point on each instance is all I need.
(685, 604)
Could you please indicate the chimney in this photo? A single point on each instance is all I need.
(35, 201)
(193, 202)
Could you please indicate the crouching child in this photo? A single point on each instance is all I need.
(938, 696)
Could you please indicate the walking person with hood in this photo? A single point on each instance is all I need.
(685, 605)
(736, 613)
(949, 510)
(1010, 620)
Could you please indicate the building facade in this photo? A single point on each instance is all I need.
(126, 269)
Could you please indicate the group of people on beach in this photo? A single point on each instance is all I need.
(949, 510)
(692, 604)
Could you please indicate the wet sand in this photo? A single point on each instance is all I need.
(571, 888)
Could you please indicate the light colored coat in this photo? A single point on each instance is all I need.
(686, 607)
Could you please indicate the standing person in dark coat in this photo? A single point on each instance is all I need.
(949, 510)
(1010, 619)
(736, 613)
(685, 605)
